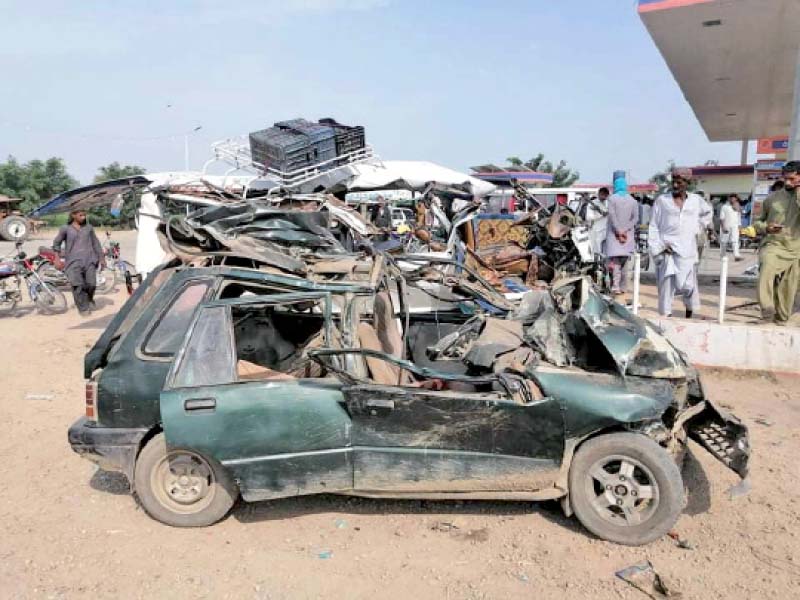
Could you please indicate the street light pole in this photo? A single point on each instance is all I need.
(186, 146)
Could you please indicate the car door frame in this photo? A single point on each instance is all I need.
(413, 457)
(274, 453)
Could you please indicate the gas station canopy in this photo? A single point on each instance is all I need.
(734, 60)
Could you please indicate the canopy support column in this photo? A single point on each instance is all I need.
(794, 136)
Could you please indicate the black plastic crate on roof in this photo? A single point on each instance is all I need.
(349, 138)
(316, 132)
(289, 148)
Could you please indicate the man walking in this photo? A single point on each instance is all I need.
(779, 257)
(82, 255)
(730, 220)
(623, 214)
(676, 220)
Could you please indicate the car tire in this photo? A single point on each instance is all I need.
(14, 228)
(182, 488)
(637, 495)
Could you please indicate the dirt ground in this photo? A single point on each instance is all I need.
(68, 530)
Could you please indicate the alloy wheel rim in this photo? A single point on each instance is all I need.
(623, 491)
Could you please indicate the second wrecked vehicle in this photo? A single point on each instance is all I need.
(219, 382)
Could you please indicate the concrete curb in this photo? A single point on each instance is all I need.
(736, 346)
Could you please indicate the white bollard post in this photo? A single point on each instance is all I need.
(723, 289)
(637, 273)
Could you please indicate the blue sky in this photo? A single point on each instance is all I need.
(457, 82)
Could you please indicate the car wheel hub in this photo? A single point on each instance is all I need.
(625, 491)
(183, 482)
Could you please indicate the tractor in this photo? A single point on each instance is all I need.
(14, 226)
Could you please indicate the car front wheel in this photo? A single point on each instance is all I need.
(625, 488)
(182, 488)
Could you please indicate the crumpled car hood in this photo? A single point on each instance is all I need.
(635, 345)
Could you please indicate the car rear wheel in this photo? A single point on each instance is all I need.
(182, 488)
(625, 488)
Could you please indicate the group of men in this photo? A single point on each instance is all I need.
(678, 222)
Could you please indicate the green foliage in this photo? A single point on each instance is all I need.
(56, 220)
(663, 179)
(34, 182)
(101, 216)
(562, 176)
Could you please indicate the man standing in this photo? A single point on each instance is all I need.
(702, 234)
(730, 220)
(675, 222)
(623, 214)
(82, 255)
(597, 219)
(779, 257)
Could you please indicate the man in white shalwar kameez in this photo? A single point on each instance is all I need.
(597, 221)
(676, 220)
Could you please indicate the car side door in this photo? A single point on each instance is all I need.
(278, 435)
(408, 439)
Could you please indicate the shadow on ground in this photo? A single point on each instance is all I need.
(110, 482)
(98, 323)
(445, 511)
(698, 488)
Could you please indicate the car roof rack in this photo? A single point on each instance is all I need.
(235, 151)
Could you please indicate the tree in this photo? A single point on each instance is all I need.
(36, 181)
(101, 215)
(663, 179)
(562, 176)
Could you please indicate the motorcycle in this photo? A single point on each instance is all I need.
(123, 271)
(50, 267)
(46, 297)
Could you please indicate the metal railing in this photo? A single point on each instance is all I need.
(235, 152)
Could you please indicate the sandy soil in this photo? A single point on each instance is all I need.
(68, 530)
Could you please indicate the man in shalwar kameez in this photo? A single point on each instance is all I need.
(623, 215)
(676, 220)
(779, 257)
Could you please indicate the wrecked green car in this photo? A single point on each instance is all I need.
(219, 382)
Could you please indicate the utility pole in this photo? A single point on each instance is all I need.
(794, 136)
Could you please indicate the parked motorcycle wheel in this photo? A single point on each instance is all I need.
(105, 281)
(7, 306)
(48, 273)
(48, 298)
(121, 268)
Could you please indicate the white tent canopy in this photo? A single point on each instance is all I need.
(412, 175)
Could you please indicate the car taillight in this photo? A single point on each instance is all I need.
(91, 398)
